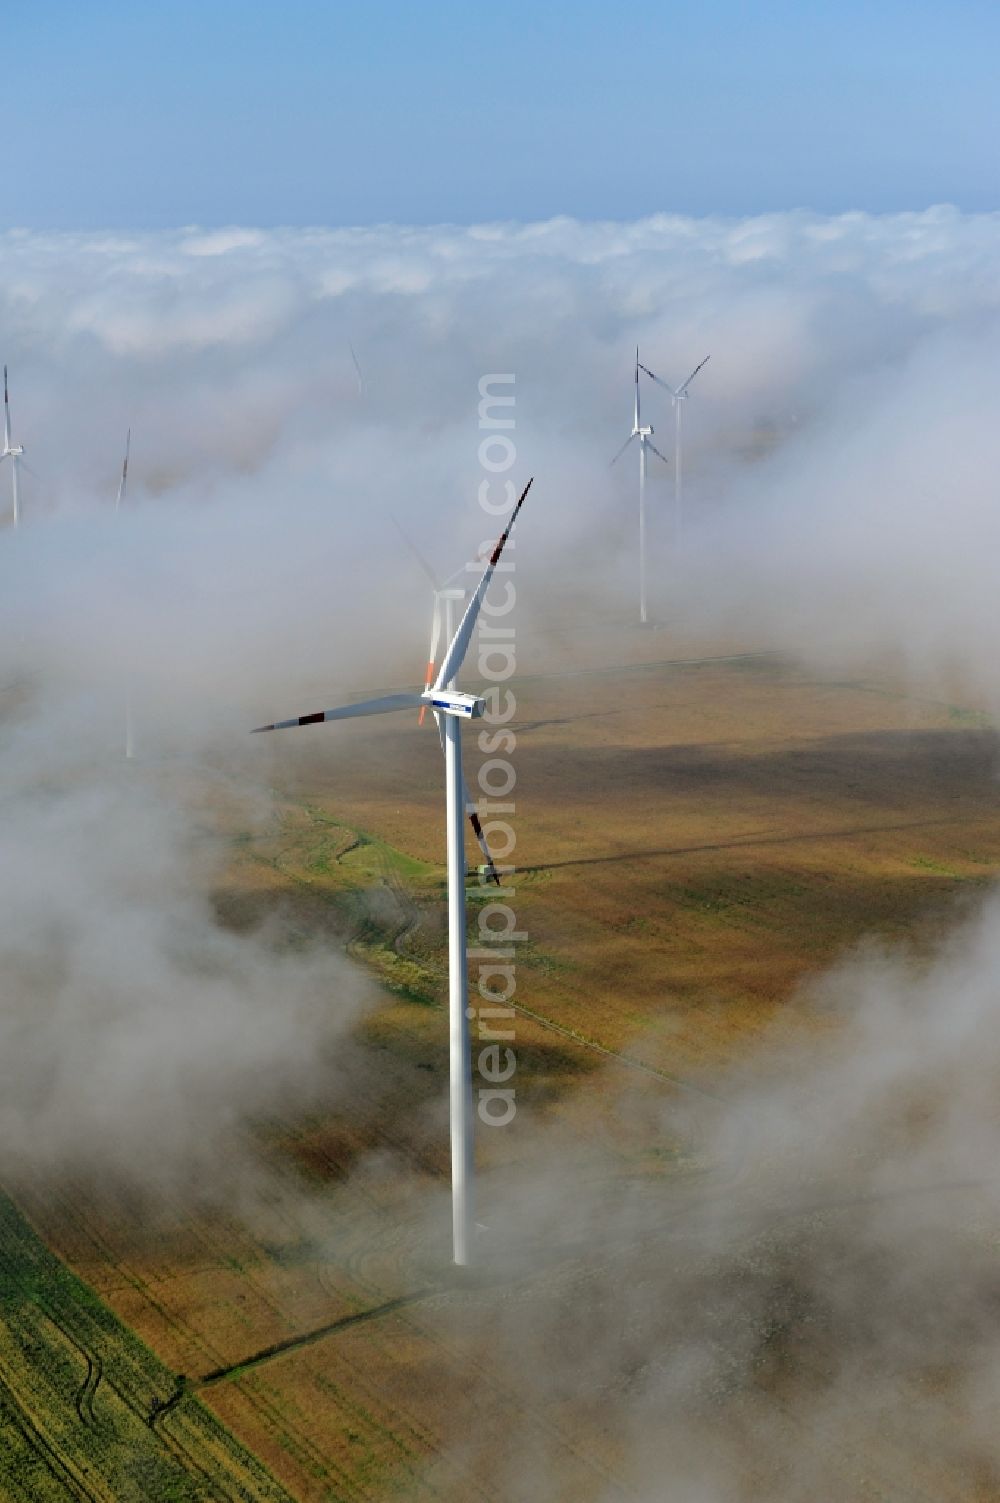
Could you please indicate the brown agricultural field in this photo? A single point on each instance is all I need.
(700, 828)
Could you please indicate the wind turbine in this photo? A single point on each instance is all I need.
(678, 397)
(362, 390)
(123, 482)
(645, 437)
(453, 707)
(445, 597)
(122, 487)
(13, 452)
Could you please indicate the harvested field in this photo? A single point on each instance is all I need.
(697, 837)
(85, 1406)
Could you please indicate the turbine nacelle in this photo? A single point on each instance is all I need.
(453, 702)
(14, 451)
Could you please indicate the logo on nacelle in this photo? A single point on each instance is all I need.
(452, 702)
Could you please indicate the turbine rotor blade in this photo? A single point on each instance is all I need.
(621, 451)
(6, 412)
(474, 820)
(123, 482)
(357, 367)
(682, 389)
(459, 644)
(383, 706)
(654, 377)
(432, 654)
(636, 423)
(425, 566)
(480, 555)
(656, 451)
(477, 830)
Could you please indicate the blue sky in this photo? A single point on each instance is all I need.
(304, 112)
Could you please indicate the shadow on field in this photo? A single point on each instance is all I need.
(888, 769)
(739, 843)
(950, 774)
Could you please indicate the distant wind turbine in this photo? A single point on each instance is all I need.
(357, 368)
(453, 707)
(645, 436)
(122, 488)
(11, 451)
(123, 482)
(678, 397)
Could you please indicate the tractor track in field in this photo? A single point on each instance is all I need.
(140, 1286)
(87, 1392)
(61, 1470)
(154, 1414)
(148, 1413)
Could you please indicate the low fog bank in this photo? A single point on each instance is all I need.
(140, 1036)
(875, 530)
(838, 445)
(806, 1306)
(819, 1301)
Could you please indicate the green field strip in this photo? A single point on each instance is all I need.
(79, 1394)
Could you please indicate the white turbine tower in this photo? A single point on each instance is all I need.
(678, 396)
(13, 452)
(645, 437)
(122, 487)
(453, 707)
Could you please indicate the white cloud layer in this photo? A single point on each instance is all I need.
(842, 448)
(852, 357)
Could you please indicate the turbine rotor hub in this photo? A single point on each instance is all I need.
(454, 702)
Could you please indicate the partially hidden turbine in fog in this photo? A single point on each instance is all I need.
(645, 437)
(678, 396)
(122, 487)
(362, 389)
(123, 482)
(452, 706)
(445, 596)
(11, 451)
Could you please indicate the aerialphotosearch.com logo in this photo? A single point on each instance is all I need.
(493, 1017)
